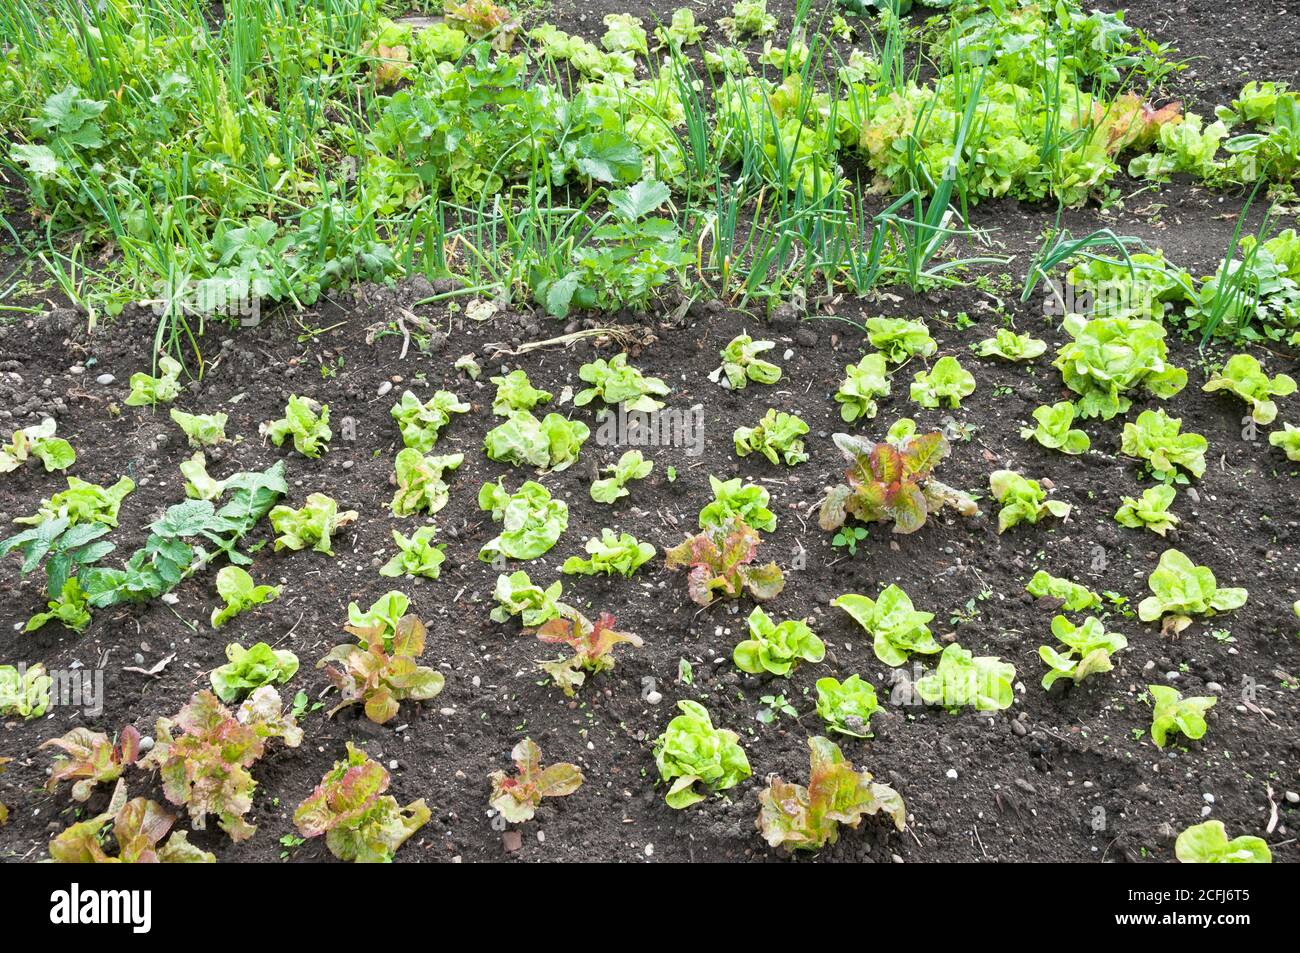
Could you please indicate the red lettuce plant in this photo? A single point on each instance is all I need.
(719, 559)
(378, 680)
(90, 758)
(519, 797)
(592, 644)
(139, 825)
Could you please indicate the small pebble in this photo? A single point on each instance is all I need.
(104, 380)
(952, 774)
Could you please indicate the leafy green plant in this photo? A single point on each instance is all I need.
(592, 644)
(1150, 511)
(24, 691)
(147, 390)
(1023, 500)
(421, 422)
(530, 520)
(891, 482)
(624, 34)
(692, 752)
(360, 823)
(1054, 430)
(741, 364)
(313, 524)
(963, 679)
(307, 422)
(139, 826)
(900, 338)
(613, 553)
(552, 443)
(39, 442)
(89, 758)
(1207, 843)
(630, 466)
(516, 595)
(1010, 346)
(849, 538)
(421, 487)
(897, 628)
(776, 647)
(517, 798)
(748, 18)
(417, 555)
(734, 498)
(1073, 597)
(808, 818)
(1172, 713)
(198, 484)
(379, 622)
(203, 430)
(1243, 376)
(946, 381)
(863, 383)
(383, 671)
(617, 382)
(1288, 438)
(82, 502)
(847, 706)
(516, 392)
(1155, 439)
(1089, 648)
(248, 669)
(70, 608)
(1181, 589)
(237, 590)
(681, 30)
(719, 560)
(776, 437)
(1110, 358)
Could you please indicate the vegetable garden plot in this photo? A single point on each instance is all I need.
(935, 563)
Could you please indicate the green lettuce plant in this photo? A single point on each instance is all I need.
(421, 422)
(198, 484)
(380, 673)
(720, 563)
(1149, 511)
(592, 643)
(1288, 438)
(863, 383)
(1140, 286)
(82, 502)
(617, 382)
(681, 30)
(1155, 439)
(24, 693)
(360, 822)
(630, 466)
(1172, 713)
(1010, 346)
(1181, 589)
(313, 524)
(530, 520)
(624, 34)
(307, 422)
(1243, 376)
(692, 752)
(1207, 843)
(847, 706)
(1054, 431)
(963, 679)
(147, 390)
(248, 669)
(1088, 650)
(613, 553)
(89, 758)
(516, 595)
(1023, 500)
(379, 622)
(776, 647)
(808, 818)
(39, 442)
(900, 338)
(516, 392)
(417, 555)
(1111, 358)
(897, 628)
(748, 18)
(517, 797)
(237, 590)
(551, 443)
(203, 430)
(1074, 597)
(741, 364)
(734, 498)
(946, 381)
(138, 825)
(776, 436)
(70, 608)
(421, 487)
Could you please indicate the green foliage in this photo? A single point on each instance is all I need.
(1110, 358)
(1023, 501)
(720, 560)
(1171, 713)
(139, 826)
(900, 338)
(417, 555)
(203, 430)
(420, 423)
(313, 524)
(517, 596)
(39, 442)
(1150, 511)
(681, 30)
(420, 484)
(1243, 376)
(198, 484)
(1074, 597)
(691, 751)
(863, 383)
(617, 382)
(1207, 843)
(24, 692)
(776, 437)
(530, 520)
(963, 679)
(552, 443)
(624, 34)
(849, 538)
(1140, 286)
(748, 18)
(70, 608)
(613, 553)
(947, 380)
(517, 798)
(897, 628)
(1181, 589)
(1288, 438)
(1010, 346)
(776, 647)
(247, 670)
(741, 364)
(1089, 648)
(237, 590)
(82, 502)
(515, 392)
(379, 622)
(847, 706)
(1155, 439)
(735, 499)
(307, 422)
(383, 670)
(630, 466)
(146, 390)
(592, 644)
(88, 758)
(1054, 430)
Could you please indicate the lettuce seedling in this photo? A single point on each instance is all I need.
(1150, 511)
(732, 499)
(896, 628)
(776, 437)
(899, 338)
(146, 390)
(775, 647)
(963, 679)
(236, 588)
(808, 818)
(417, 555)
(1207, 843)
(379, 622)
(89, 759)
(1111, 357)
(70, 608)
(203, 430)
(618, 382)
(891, 482)
(204, 754)
(748, 18)
(198, 484)
(139, 825)
(1172, 713)
(1023, 500)
(517, 798)
(24, 692)
(691, 751)
(361, 824)
(624, 34)
(741, 364)
(517, 596)
(380, 678)
(592, 644)
(82, 502)
(1074, 597)
(847, 706)
(39, 442)
(1090, 647)
(1155, 439)
(420, 423)
(552, 443)
(530, 520)
(619, 553)
(863, 383)
(1243, 376)
(247, 670)
(307, 422)
(1288, 438)
(1054, 429)
(719, 560)
(420, 484)
(515, 392)
(630, 466)
(1181, 589)
(1010, 346)
(313, 525)
(946, 381)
